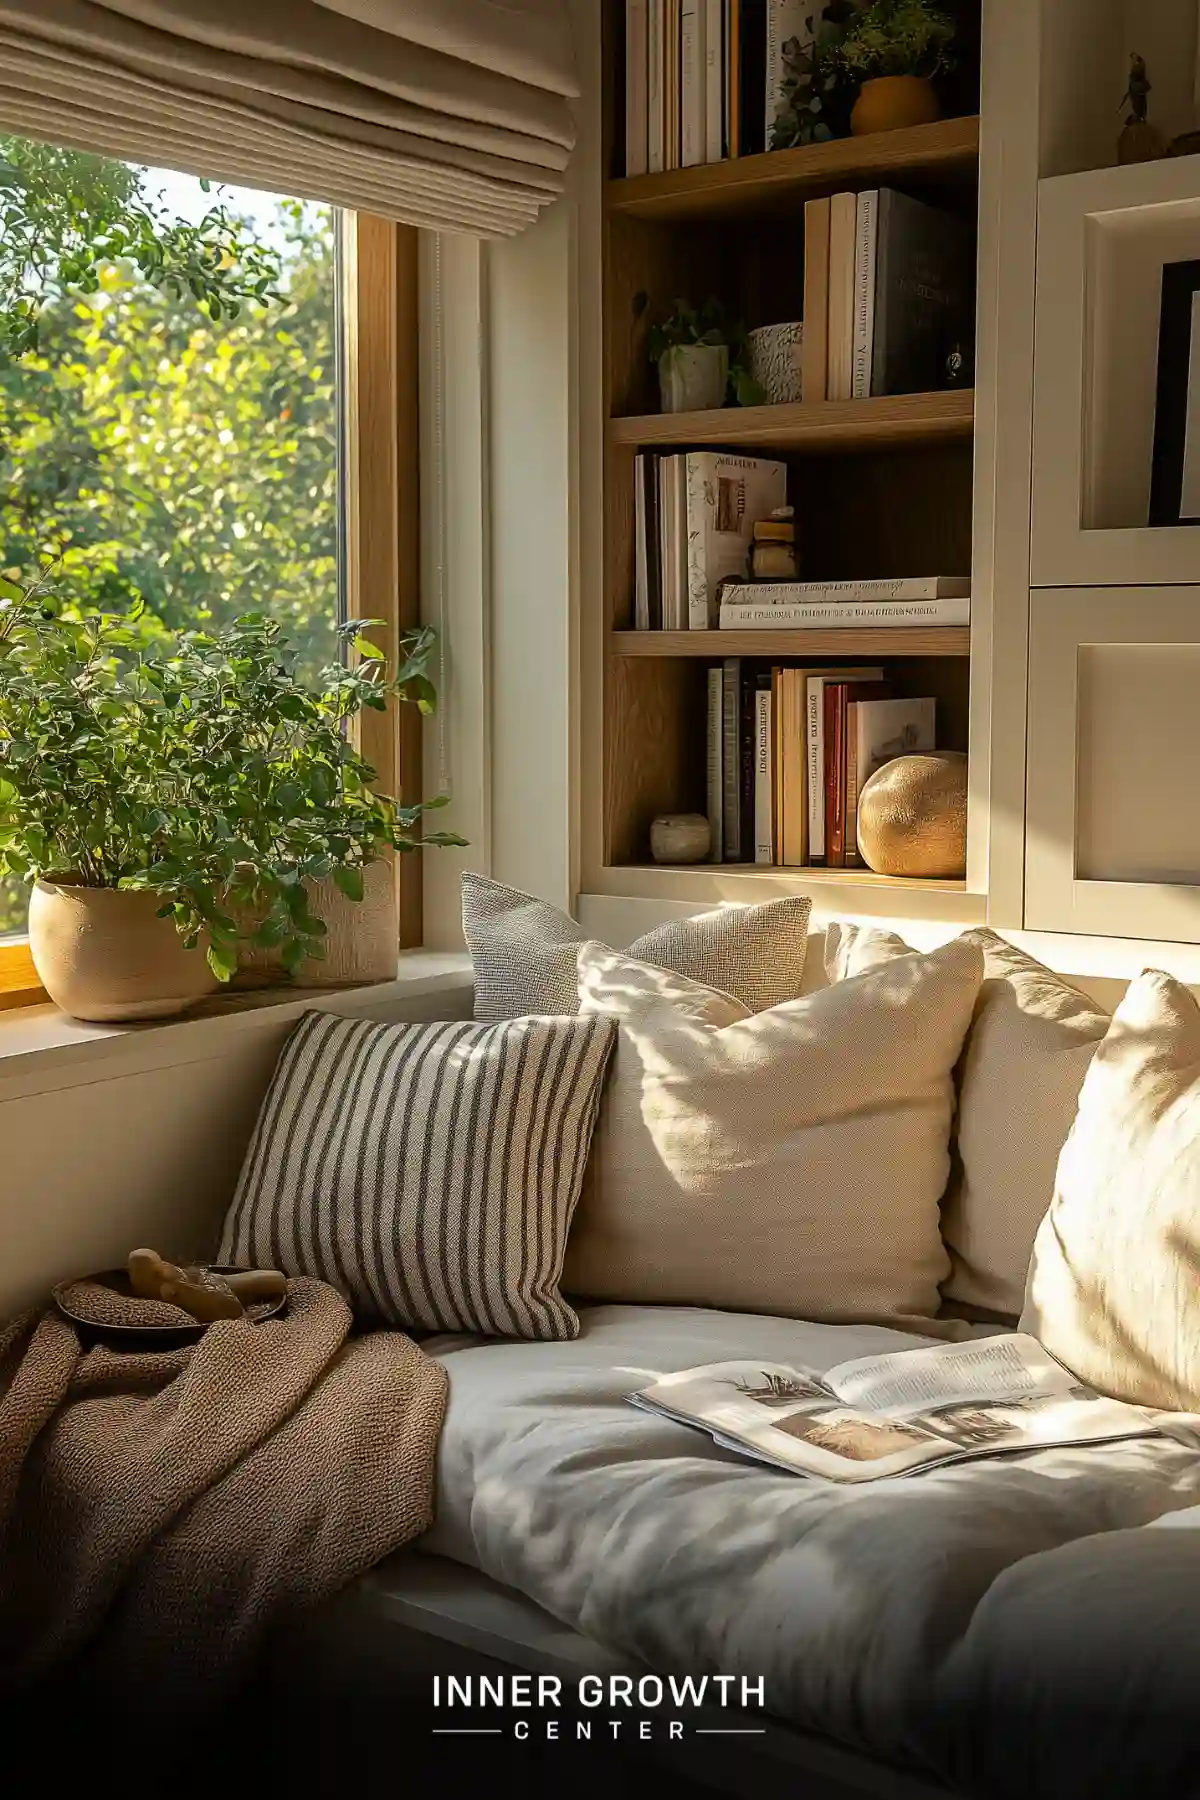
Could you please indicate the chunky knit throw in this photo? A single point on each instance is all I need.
(160, 1510)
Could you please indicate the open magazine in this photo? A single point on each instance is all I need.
(891, 1415)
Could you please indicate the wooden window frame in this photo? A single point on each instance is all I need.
(382, 525)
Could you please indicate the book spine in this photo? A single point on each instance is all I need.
(696, 530)
(895, 587)
(864, 292)
(835, 766)
(843, 221)
(692, 83)
(814, 354)
(641, 548)
(636, 78)
(753, 77)
(746, 749)
(653, 543)
(656, 124)
(815, 719)
(733, 59)
(764, 823)
(731, 759)
(842, 615)
(884, 215)
(714, 80)
(671, 82)
(852, 858)
(716, 787)
(679, 616)
(777, 725)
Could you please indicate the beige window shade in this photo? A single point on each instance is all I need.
(451, 114)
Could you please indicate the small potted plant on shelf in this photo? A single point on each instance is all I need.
(171, 805)
(894, 48)
(701, 357)
(815, 92)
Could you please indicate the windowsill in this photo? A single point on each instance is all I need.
(41, 1041)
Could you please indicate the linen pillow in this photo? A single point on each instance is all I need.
(525, 951)
(1027, 1052)
(1114, 1288)
(786, 1162)
(429, 1172)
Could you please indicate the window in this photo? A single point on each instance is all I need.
(190, 420)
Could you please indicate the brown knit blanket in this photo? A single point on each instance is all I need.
(160, 1510)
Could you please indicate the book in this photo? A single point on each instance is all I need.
(656, 135)
(731, 759)
(641, 544)
(888, 587)
(792, 839)
(814, 352)
(714, 80)
(786, 19)
(866, 212)
(814, 741)
(898, 1413)
(671, 541)
(752, 77)
(716, 778)
(637, 69)
(726, 495)
(839, 615)
(778, 727)
(923, 293)
(843, 228)
(733, 32)
(876, 732)
(838, 697)
(691, 83)
(672, 38)
(747, 746)
(764, 774)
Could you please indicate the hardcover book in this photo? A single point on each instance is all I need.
(876, 732)
(725, 496)
(814, 353)
(923, 293)
(843, 228)
(637, 68)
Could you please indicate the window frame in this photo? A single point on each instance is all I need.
(381, 525)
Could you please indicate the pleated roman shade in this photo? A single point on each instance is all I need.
(452, 114)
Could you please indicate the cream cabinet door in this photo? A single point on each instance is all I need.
(1113, 778)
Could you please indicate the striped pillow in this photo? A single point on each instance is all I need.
(429, 1172)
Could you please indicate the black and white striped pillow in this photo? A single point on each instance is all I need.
(427, 1171)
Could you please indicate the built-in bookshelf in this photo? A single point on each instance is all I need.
(882, 487)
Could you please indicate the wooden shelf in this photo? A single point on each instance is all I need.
(875, 642)
(877, 424)
(945, 152)
(804, 877)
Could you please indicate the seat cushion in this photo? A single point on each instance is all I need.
(662, 1546)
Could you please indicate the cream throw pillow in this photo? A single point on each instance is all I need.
(1030, 1043)
(787, 1162)
(525, 951)
(1114, 1290)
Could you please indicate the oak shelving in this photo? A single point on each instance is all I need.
(888, 421)
(808, 646)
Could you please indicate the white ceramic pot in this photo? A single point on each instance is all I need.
(775, 361)
(693, 377)
(104, 954)
(680, 838)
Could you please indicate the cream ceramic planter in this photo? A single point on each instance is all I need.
(362, 943)
(104, 954)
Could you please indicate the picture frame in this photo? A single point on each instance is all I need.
(1175, 467)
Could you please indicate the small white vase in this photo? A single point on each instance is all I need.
(680, 838)
(693, 377)
(775, 361)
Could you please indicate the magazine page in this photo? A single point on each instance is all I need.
(1011, 1367)
(790, 1416)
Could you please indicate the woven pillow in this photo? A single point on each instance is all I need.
(429, 1172)
(525, 951)
(1114, 1288)
(786, 1162)
(1031, 1041)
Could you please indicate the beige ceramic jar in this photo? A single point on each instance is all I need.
(104, 954)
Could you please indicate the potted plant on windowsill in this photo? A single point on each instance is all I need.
(700, 355)
(171, 805)
(895, 48)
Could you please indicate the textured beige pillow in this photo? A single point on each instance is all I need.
(1114, 1290)
(788, 1162)
(1027, 1052)
(525, 950)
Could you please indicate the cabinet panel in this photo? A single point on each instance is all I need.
(1113, 819)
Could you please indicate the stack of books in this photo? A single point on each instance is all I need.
(888, 285)
(789, 751)
(695, 514)
(844, 605)
(704, 78)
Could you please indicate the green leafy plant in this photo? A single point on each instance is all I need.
(816, 92)
(708, 323)
(65, 216)
(897, 37)
(207, 771)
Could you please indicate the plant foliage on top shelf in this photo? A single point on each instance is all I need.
(896, 37)
(816, 92)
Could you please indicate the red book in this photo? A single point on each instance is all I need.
(838, 697)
